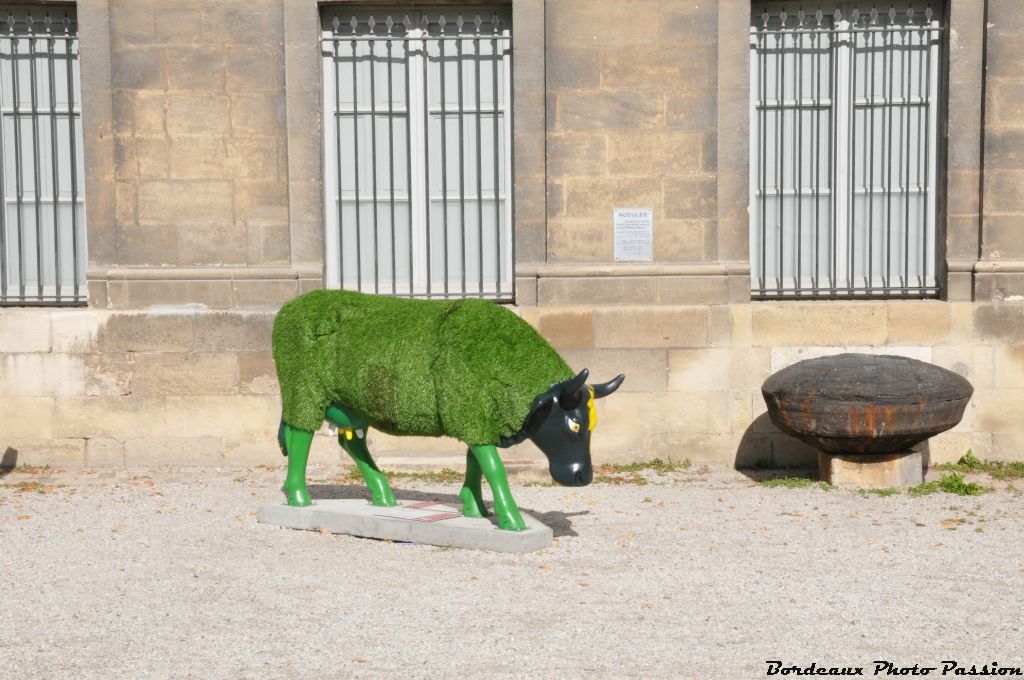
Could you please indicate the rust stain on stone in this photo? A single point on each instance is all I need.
(805, 405)
(782, 410)
(889, 414)
(870, 411)
(854, 421)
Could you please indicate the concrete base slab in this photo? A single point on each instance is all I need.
(895, 470)
(429, 522)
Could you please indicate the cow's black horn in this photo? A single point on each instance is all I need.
(607, 388)
(571, 388)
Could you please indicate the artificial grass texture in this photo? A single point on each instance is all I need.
(467, 369)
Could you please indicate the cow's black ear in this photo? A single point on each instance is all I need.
(539, 411)
(607, 388)
(542, 406)
(542, 400)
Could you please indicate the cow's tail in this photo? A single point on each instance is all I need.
(281, 439)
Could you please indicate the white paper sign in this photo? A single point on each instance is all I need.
(634, 234)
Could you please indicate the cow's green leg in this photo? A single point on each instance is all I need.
(297, 444)
(352, 437)
(472, 498)
(376, 482)
(504, 505)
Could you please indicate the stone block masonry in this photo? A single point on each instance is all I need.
(192, 386)
(632, 122)
(142, 387)
(198, 113)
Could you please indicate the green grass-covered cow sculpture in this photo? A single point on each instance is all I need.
(467, 369)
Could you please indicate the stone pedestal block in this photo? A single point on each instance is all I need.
(427, 522)
(874, 471)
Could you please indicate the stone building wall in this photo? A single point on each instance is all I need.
(198, 109)
(1003, 197)
(200, 160)
(632, 117)
(204, 205)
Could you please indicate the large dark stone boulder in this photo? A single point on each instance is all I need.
(865, 404)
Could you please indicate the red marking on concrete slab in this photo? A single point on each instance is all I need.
(438, 517)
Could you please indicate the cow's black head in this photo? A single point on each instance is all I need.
(560, 423)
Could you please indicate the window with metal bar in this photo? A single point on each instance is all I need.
(42, 224)
(417, 135)
(844, 149)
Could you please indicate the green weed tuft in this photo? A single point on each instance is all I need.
(619, 480)
(925, 489)
(444, 476)
(890, 491)
(954, 483)
(970, 462)
(655, 465)
(996, 469)
(796, 483)
(31, 486)
(951, 482)
(630, 473)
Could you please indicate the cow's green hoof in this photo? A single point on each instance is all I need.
(384, 500)
(298, 498)
(512, 521)
(470, 506)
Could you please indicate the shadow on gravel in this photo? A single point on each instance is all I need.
(8, 461)
(766, 453)
(559, 521)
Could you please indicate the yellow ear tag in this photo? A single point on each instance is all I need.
(592, 409)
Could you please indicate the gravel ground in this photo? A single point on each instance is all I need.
(702, 573)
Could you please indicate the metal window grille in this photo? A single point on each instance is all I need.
(42, 224)
(417, 134)
(843, 155)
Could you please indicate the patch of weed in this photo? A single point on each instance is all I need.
(445, 476)
(655, 465)
(924, 489)
(953, 483)
(1006, 471)
(890, 491)
(23, 469)
(352, 475)
(997, 469)
(31, 486)
(796, 483)
(970, 461)
(618, 480)
(630, 473)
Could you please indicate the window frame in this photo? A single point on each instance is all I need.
(424, 283)
(839, 283)
(55, 26)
